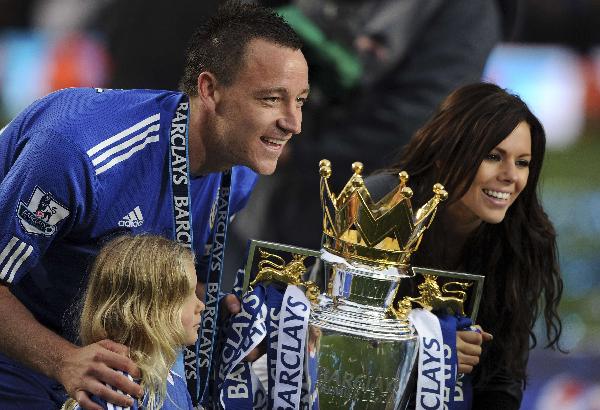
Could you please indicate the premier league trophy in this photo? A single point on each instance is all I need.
(360, 349)
(362, 343)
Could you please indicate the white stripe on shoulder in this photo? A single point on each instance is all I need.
(123, 134)
(121, 147)
(120, 158)
(5, 127)
(12, 257)
(8, 248)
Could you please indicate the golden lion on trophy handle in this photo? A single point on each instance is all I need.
(279, 271)
(273, 268)
(431, 297)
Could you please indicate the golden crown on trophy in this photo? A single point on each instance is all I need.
(384, 233)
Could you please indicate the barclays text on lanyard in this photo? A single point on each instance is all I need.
(197, 359)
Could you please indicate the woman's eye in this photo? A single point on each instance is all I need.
(523, 163)
(492, 157)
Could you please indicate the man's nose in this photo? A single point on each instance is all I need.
(291, 120)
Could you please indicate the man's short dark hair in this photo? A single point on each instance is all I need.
(219, 45)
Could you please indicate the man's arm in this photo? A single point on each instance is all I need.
(82, 370)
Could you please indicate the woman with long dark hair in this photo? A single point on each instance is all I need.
(486, 147)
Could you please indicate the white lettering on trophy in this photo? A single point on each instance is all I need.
(448, 370)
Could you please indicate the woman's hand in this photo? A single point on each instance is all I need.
(468, 348)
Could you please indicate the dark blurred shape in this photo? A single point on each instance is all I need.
(15, 13)
(570, 22)
(378, 70)
(147, 39)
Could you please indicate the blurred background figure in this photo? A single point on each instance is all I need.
(146, 39)
(378, 70)
(44, 47)
(552, 60)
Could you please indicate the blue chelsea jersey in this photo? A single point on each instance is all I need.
(79, 167)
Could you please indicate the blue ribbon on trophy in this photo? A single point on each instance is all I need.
(274, 301)
(438, 384)
(244, 332)
(275, 312)
(460, 396)
(293, 325)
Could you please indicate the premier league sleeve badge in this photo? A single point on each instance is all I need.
(41, 215)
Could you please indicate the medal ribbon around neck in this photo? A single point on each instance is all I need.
(197, 358)
(208, 331)
(182, 218)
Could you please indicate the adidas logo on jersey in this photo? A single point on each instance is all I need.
(133, 219)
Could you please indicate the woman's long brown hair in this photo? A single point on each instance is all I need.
(518, 256)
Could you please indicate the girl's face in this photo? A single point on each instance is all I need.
(501, 177)
(192, 308)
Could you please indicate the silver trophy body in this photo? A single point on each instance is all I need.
(362, 358)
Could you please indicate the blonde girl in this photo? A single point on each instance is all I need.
(141, 293)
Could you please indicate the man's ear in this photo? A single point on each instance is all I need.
(207, 89)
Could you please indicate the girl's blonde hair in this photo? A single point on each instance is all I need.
(135, 295)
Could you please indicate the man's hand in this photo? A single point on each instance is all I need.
(468, 348)
(87, 370)
(231, 305)
(82, 370)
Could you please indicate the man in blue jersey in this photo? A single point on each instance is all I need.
(82, 165)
